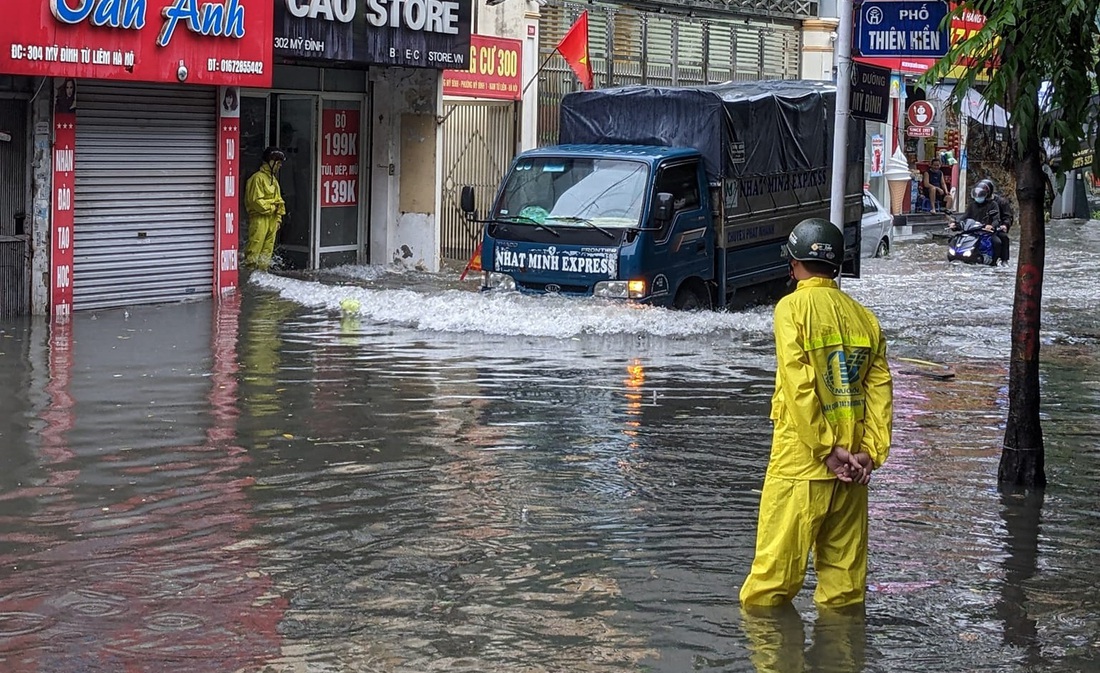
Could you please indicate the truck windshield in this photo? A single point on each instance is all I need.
(575, 192)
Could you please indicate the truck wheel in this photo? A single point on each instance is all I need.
(692, 297)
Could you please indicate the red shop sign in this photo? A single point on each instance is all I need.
(339, 158)
(225, 42)
(495, 71)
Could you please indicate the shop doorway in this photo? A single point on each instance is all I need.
(14, 223)
(323, 181)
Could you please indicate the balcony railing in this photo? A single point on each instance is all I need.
(787, 9)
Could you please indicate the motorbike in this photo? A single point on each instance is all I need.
(970, 243)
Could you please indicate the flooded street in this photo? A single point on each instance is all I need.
(444, 480)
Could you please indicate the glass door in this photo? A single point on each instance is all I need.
(295, 134)
(341, 186)
(255, 131)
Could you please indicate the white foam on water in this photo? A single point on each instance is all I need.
(512, 313)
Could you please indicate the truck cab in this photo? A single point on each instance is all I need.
(675, 197)
(616, 221)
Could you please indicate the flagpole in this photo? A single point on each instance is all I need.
(536, 75)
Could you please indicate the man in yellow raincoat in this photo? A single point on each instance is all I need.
(263, 200)
(832, 410)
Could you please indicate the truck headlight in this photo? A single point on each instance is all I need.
(611, 289)
(620, 289)
(498, 281)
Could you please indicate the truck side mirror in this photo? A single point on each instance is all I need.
(467, 201)
(663, 212)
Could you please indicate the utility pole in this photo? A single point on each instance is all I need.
(843, 108)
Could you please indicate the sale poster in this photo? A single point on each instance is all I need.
(339, 158)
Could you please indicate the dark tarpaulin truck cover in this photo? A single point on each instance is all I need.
(742, 129)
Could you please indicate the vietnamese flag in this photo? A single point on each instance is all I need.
(574, 48)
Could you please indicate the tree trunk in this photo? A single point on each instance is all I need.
(1022, 456)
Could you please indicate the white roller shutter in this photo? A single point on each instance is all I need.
(145, 188)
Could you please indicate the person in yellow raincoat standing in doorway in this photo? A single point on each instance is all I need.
(832, 412)
(263, 200)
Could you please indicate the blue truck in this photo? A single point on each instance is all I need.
(671, 196)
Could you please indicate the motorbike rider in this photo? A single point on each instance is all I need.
(984, 209)
(1006, 216)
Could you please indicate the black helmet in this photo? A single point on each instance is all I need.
(988, 182)
(981, 192)
(816, 240)
(274, 154)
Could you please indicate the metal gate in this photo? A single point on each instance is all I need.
(479, 142)
(629, 46)
(145, 190)
(14, 238)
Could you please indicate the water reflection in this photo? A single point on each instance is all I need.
(1022, 512)
(130, 547)
(448, 481)
(777, 640)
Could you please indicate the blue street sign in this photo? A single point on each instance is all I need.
(902, 28)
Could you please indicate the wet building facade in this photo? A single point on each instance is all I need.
(128, 130)
(130, 168)
(355, 103)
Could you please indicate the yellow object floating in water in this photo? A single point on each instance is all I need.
(932, 370)
(349, 305)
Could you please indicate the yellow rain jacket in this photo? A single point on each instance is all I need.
(832, 388)
(832, 382)
(263, 200)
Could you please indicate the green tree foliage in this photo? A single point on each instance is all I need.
(1023, 44)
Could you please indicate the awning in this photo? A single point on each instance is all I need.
(974, 106)
(899, 64)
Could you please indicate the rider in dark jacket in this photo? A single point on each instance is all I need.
(1005, 221)
(984, 209)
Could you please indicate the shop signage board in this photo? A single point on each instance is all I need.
(189, 41)
(64, 185)
(229, 182)
(901, 28)
(921, 113)
(870, 94)
(417, 33)
(339, 158)
(494, 72)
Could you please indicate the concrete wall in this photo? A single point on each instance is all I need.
(818, 39)
(406, 168)
(41, 205)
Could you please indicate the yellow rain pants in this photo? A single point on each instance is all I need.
(797, 516)
(265, 206)
(833, 388)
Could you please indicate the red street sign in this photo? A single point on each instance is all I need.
(921, 113)
(226, 43)
(920, 131)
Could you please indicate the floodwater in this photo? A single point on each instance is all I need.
(441, 480)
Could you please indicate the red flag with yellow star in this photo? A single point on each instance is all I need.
(574, 48)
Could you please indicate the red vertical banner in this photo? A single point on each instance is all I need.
(61, 231)
(223, 380)
(229, 143)
(339, 158)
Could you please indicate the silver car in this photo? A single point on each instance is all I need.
(878, 228)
